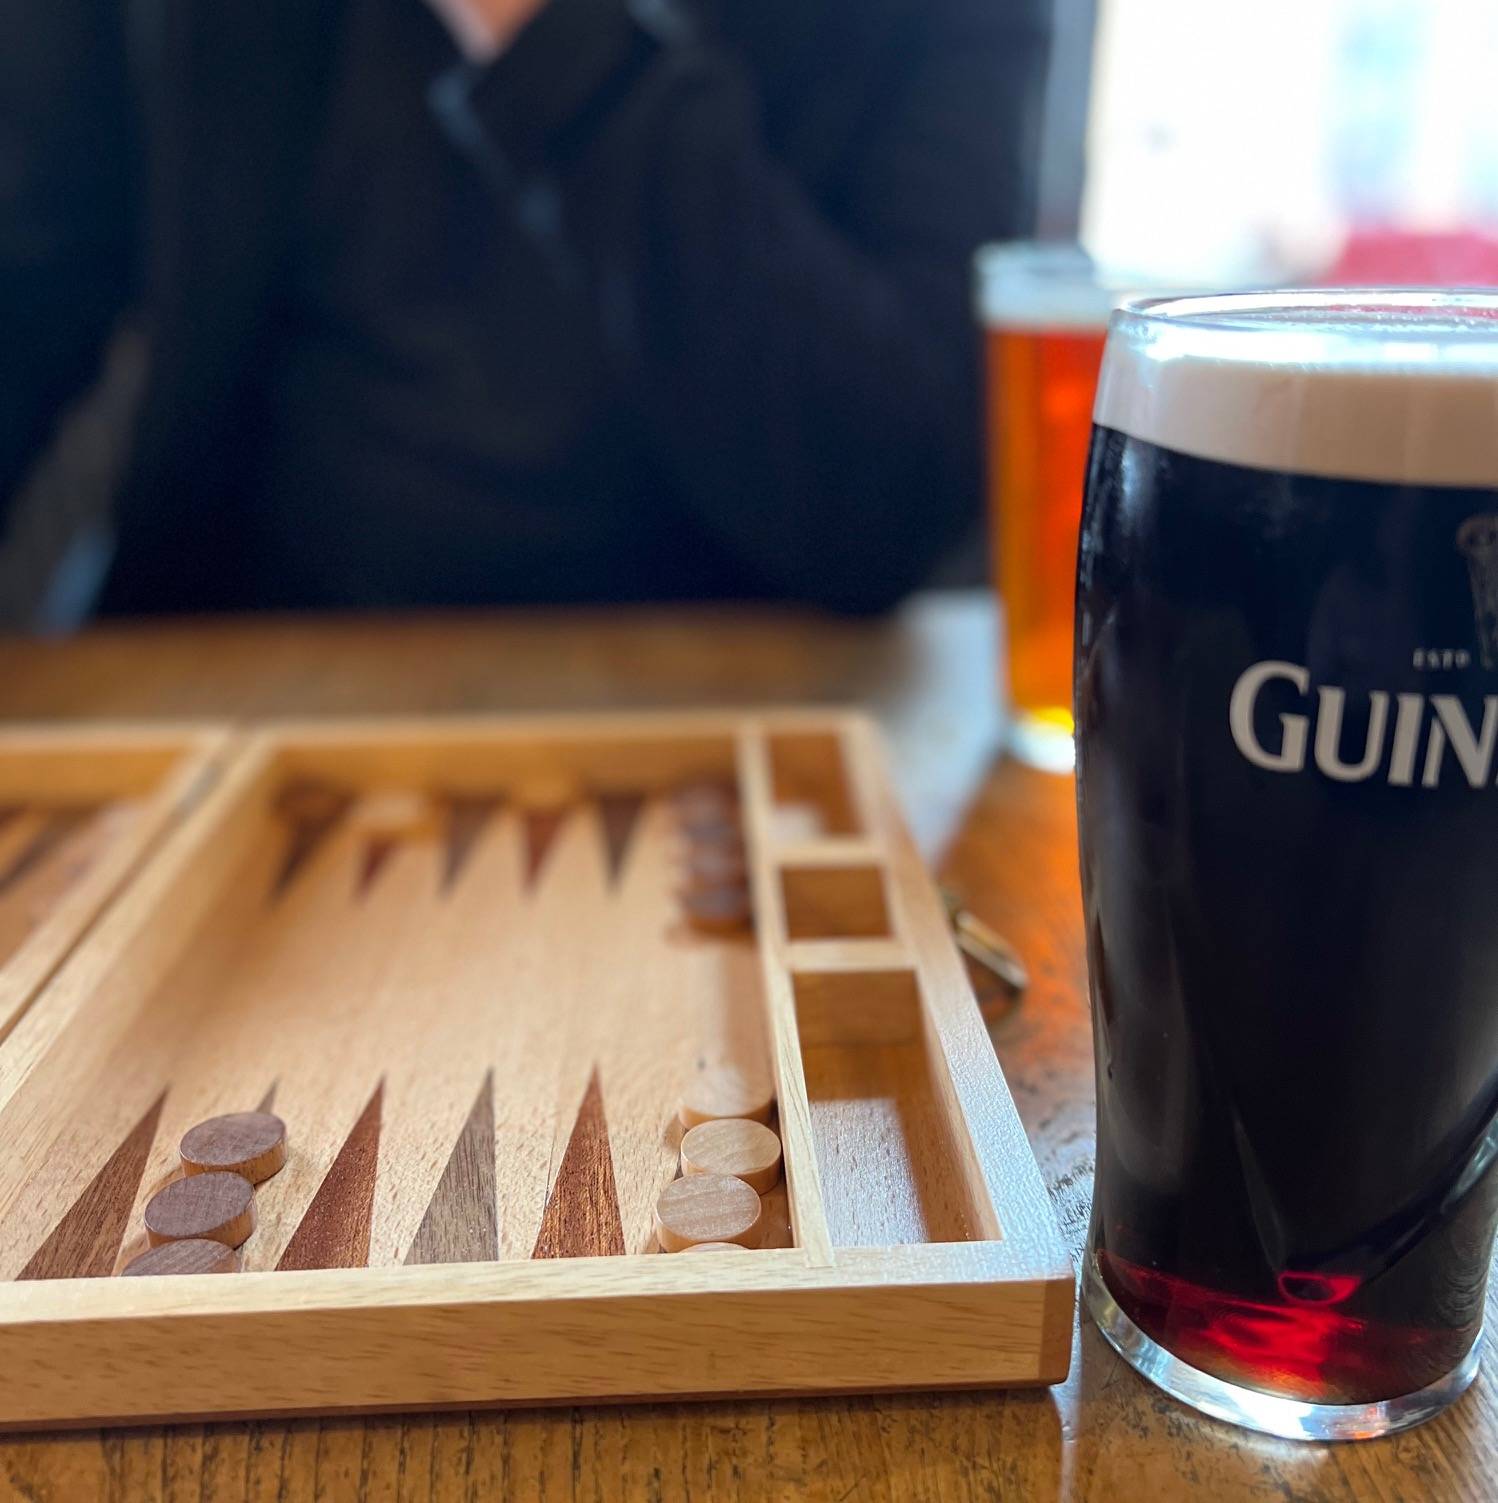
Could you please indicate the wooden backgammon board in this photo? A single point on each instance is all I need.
(485, 972)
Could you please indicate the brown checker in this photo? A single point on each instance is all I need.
(250, 1144)
(716, 866)
(217, 1205)
(718, 910)
(709, 798)
(192, 1255)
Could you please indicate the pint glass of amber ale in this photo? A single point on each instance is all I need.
(1286, 694)
(1044, 315)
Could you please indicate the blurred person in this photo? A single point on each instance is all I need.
(496, 301)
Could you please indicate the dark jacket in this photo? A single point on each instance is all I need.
(769, 206)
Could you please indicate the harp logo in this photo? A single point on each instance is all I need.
(1477, 540)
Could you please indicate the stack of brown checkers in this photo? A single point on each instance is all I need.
(713, 866)
(707, 810)
(196, 1224)
(715, 894)
(718, 910)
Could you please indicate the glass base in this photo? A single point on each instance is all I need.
(1042, 738)
(1292, 1418)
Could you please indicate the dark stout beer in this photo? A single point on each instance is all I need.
(1287, 731)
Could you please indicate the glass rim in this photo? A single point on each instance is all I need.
(1392, 385)
(1464, 316)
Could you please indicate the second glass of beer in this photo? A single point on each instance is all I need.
(1045, 316)
(1287, 745)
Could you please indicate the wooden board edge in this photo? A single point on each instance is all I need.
(571, 724)
(97, 737)
(103, 759)
(928, 1265)
(708, 1342)
(1057, 1326)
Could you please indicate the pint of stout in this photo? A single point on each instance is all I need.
(1286, 692)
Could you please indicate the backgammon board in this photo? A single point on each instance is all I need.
(482, 971)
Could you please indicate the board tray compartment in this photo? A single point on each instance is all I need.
(890, 1173)
(477, 1035)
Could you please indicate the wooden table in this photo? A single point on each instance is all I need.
(1104, 1435)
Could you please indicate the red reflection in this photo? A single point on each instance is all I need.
(1305, 1348)
(1317, 1288)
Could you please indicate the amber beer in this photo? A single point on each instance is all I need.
(1287, 752)
(1045, 318)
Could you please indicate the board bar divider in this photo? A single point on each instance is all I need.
(987, 1128)
(803, 1178)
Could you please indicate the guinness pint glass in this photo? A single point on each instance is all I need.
(1286, 693)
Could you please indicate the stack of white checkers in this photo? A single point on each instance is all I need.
(729, 1158)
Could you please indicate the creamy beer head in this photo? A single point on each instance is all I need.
(1394, 387)
(1024, 285)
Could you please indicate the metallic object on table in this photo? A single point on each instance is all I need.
(988, 950)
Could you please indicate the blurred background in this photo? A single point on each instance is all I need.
(1155, 144)
(1284, 141)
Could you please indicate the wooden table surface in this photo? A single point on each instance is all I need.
(1104, 1435)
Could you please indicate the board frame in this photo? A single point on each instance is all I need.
(995, 1310)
